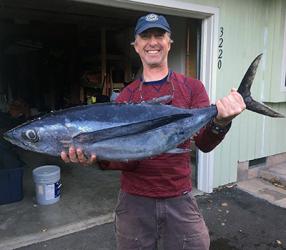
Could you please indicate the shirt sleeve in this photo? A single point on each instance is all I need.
(206, 140)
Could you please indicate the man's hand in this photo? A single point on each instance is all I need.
(229, 107)
(77, 156)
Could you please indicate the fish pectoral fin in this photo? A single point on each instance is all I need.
(179, 150)
(156, 100)
(129, 129)
(160, 100)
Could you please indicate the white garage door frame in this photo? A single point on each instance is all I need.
(209, 16)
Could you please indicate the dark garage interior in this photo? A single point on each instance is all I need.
(59, 58)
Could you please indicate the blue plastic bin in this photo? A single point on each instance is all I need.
(11, 185)
(11, 175)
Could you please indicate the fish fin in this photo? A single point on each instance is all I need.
(244, 90)
(178, 150)
(129, 129)
(262, 108)
(157, 100)
(160, 100)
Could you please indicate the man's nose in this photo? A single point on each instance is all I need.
(153, 40)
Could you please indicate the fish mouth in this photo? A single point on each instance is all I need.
(10, 137)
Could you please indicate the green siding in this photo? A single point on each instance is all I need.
(252, 136)
(275, 23)
(250, 28)
(253, 27)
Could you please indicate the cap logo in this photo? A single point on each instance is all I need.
(151, 18)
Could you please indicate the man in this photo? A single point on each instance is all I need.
(155, 205)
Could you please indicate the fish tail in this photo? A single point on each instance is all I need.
(244, 90)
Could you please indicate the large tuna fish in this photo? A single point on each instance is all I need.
(121, 132)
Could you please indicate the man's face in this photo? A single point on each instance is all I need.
(153, 46)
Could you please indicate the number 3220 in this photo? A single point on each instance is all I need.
(220, 50)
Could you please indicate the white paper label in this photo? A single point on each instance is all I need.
(50, 191)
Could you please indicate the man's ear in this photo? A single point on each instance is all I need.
(135, 46)
(169, 46)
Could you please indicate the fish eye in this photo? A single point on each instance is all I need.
(31, 135)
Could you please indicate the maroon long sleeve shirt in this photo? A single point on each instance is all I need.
(166, 175)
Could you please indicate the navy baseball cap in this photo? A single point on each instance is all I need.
(151, 21)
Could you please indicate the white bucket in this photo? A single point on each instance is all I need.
(48, 185)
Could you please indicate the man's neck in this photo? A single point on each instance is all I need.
(154, 74)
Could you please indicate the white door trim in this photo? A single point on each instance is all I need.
(209, 16)
(283, 70)
(208, 77)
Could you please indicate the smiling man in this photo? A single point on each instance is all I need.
(153, 47)
(153, 43)
(156, 208)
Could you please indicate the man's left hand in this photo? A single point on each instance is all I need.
(229, 107)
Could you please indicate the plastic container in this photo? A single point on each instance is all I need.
(11, 185)
(48, 185)
(11, 175)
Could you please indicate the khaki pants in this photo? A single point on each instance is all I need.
(144, 223)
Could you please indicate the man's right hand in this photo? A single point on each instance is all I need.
(77, 156)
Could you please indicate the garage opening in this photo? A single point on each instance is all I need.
(54, 56)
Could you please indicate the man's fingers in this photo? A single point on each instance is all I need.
(230, 105)
(81, 157)
(237, 96)
(77, 156)
(92, 159)
(73, 155)
(65, 157)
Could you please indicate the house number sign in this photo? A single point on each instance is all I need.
(220, 48)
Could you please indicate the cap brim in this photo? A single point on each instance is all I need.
(152, 25)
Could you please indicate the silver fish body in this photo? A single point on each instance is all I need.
(116, 132)
(154, 141)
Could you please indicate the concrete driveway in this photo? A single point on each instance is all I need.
(236, 221)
